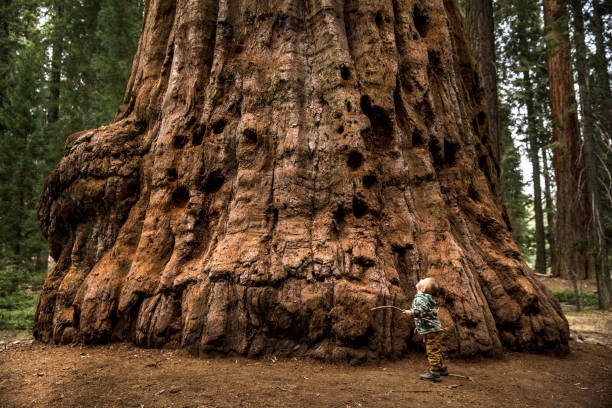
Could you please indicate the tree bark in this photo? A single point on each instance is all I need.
(571, 260)
(55, 76)
(534, 149)
(481, 29)
(278, 169)
(596, 233)
(550, 205)
(601, 76)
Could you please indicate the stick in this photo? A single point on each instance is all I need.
(412, 391)
(387, 307)
(401, 310)
(460, 376)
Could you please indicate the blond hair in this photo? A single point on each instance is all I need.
(431, 286)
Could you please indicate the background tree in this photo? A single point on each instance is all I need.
(572, 214)
(600, 64)
(55, 42)
(602, 114)
(522, 66)
(118, 28)
(276, 170)
(21, 145)
(93, 44)
(602, 111)
(40, 42)
(596, 230)
(549, 201)
(515, 200)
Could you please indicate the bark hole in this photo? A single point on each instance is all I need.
(482, 117)
(180, 196)
(198, 135)
(340, 129)
(378, 18)
(338, 216)
(354, 160)
(349, 106)
(436, 152)
(180, 141)
(417, 138)
(473, 193)
(450, 152)
(421, 21)
(214, 181)
(171, 174)
(369, 180)
(250, 136)
(76, 315)
(381, 122)
(482, 163)
(219, 126)
(360, 207)
(345, 72)
(489, 227)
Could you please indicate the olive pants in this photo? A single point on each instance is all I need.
(433, 346)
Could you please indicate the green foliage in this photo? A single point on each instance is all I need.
(17, 21)
(64, 68)
(18, 297)
(117, 33)
(523, 118)
(22, 147)
(569, 297)
(17, 311)
(513, 196)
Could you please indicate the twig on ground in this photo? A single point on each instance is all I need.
(460, 376)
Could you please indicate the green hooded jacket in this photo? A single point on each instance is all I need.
(425, 314)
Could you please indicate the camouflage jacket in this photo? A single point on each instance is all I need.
(425, 314)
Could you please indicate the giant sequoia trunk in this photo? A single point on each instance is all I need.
(572, 258)
(280, 168)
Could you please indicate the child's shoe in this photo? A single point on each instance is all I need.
(443, 370)
(431, 375)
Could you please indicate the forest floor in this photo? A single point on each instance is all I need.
(120, 375)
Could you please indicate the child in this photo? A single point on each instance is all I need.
(428, 325)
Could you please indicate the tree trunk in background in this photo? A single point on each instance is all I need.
(481, 29)
(601, 82)
(596, 228)
(550, 205)
(571, 259)
(602, 111)
(534, 149)
(279, 169)
(55, 76)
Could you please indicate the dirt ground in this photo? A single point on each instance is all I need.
(120, 375)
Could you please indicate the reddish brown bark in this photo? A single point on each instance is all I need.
(481, 29)
(278, 170)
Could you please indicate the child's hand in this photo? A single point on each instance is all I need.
(407, 312)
